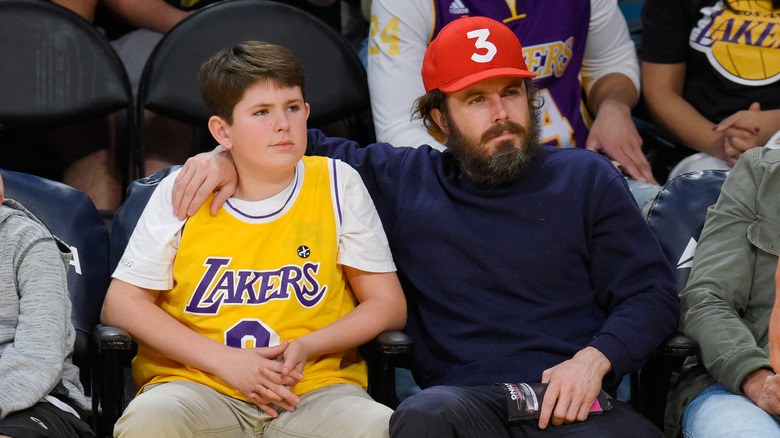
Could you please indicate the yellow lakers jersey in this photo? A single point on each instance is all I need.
(255, 283)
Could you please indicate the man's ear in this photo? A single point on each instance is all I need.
(220, 130)
(440, 120)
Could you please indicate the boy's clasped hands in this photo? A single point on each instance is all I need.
(266, 375)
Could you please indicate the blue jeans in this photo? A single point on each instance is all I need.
(643, 192)
(717, 412)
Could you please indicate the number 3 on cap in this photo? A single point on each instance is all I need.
(482, 43)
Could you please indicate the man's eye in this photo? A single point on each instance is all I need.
(293, 108)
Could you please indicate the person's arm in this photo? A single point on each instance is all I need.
(721, 280)
(637, 294)
(610, 75)
(378, 164)
(613, 131)
(32, 364)
(85, 8)
(201, 176)
(246, 369)
(365, 256)
(763, 385)
(381, 307)
(662, 90)
(774, 325)
(156, 15)
(399, 35)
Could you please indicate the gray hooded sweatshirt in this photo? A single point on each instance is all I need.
(36, 333)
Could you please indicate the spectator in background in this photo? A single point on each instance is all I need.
(87, 160)
(150, 20)
(562, 39)
(730, 390)
(40, 391)
(711, 76)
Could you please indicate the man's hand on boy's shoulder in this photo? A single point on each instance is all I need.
(201, 176)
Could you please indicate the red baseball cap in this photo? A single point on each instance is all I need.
(469, 50)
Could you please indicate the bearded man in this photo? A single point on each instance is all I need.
(520, 262)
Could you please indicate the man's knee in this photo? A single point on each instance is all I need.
(445, 410)
(422, 411)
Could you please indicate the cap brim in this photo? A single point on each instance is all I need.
(471, 79)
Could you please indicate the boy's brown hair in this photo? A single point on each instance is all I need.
(225, 76)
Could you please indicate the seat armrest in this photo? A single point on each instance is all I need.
(108, 337)
(390, 349)
(393, 342)
(678, 345)
(650, 389)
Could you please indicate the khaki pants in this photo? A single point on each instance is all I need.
(188, 409)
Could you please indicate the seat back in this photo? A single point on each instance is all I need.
(336, 84)
(58, 70)
(677, 215)
(71, 216)
(127, 215)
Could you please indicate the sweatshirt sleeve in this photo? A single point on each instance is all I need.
(609, 48)
(718, 290)
(632, 279)
(32, 364)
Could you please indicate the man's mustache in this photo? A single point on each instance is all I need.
(508, 126)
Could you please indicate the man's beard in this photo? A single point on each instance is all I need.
(508, 160)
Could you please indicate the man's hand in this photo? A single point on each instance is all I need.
(614, 134)
(572, 387)
(763, 387)
(257, 374)
(200, 176)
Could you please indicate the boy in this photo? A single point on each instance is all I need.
(273, 273)
(40, 391)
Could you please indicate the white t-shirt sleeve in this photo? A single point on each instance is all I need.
(399, 37)
(362, 241)
(148, 259)
(609, 48)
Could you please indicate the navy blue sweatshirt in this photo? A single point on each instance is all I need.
(504, 282)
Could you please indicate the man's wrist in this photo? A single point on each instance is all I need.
(753, 383)
(597, 358)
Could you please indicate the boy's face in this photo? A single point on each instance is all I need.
(268, 132)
